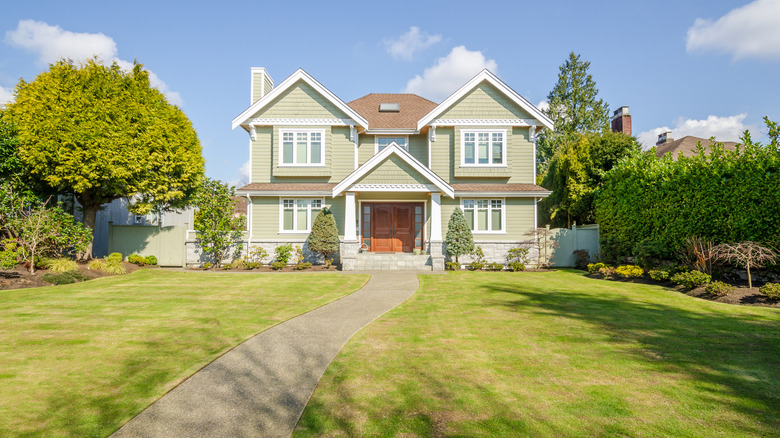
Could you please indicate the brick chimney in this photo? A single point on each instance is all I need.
(621, 120)
(664, 137)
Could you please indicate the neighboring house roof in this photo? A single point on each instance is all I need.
(299, 75)
(412, 109)
(393, 149)
(505, 189)
(486, 75)
(287, 188)
(240, 205)
(687, 146)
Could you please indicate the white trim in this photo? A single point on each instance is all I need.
(309, 215)
(353, 135)
(536, 214)
(392, 131)
(540, 194)
(287, 193)
(350, 222)
(293, 122)
(249, 219)
(476, 132)
(394, 188)
(299, 75)
(489, 216)
(486, 75)
(404, 155)
(377, 137)
(484, 122)
(251, 144)
(308, 162)
(532, 138)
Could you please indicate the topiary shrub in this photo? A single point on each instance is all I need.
(459, 240)
(629, 271)
(115, 257)
(62, 265)
(69, 277)
(303, 265)
(718, 289)
(515, 266)
(771, 290)
(136, 259)
(595, 267)
(452, 266)
(324, 236)
(494, 266)
(659, 274)
(150, 260)
(581, 258)
(691, 279)
(278, 265)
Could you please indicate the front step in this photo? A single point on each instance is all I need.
(392, 262)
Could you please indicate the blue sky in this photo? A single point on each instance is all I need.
(696, 67)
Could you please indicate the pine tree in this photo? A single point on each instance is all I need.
(459, 240)
(324, 236)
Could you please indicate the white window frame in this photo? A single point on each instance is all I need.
(476, 133)
(311, 213)
(295, 133)
(377, 137)
(489, 229)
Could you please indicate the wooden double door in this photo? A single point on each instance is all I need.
(392, 226)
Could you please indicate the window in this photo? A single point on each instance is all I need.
(301, 148)
(483, 148)
(298, 214)
(382, 142)
(484, 215)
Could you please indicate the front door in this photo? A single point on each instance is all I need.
(392, 227)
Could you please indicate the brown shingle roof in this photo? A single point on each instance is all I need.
(413, 108)
(687, 146)
(498, 188)
(288, 187)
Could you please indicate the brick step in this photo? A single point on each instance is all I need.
(392, 262)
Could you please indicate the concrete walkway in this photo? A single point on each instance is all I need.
(259, 389)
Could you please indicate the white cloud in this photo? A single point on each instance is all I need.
(6, 95)
(243, 176)
(749, 31)
(410, 42)
(728, 128)
(449, 73)
(51, 43)
(543, 105)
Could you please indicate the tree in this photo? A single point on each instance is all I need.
(459, 240)
(217, 228)
(574, 108)
(746, 254)
(324, 236)
(102, 133)
(576, 173)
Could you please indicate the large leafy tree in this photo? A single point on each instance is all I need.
(103, 133)
(574, 108)
(576, 173)
(218, 229)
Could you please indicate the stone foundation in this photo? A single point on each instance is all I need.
(196, 257)
(496, 251)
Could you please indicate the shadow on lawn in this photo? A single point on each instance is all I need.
(735, 353)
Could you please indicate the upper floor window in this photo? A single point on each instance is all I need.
(483, 147)
(384, 141)
(298, 214)
(301, 147)
(484, 215)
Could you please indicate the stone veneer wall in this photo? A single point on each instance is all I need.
(196, 257)
(496, 251)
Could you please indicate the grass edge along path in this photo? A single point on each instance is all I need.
(553, 354)
(82, 359)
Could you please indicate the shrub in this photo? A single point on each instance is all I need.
(324, 236)
(9, 256)
(607, 271)
(297, 255)
(136, 259)
(278, 265)
(62, 265)
(115, 269)
(629, 271)
(517, 255)
(115, 257)
(97, 265)
(595, 267)
(691, 279)
(718, 289)
(257, 254)
(659, 274)
(452, 266)
(581, 258)
(68, 277)
(303, 265)
(479, 259)
(648, 253)
(515, 266)
(238, 264)
(771, 290)
(283, 254)
(328, 262)
(494, 266)
(150, 260)
(207, 265)
(253, 265)
(459, 240)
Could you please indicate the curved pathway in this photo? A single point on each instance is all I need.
(259, 388)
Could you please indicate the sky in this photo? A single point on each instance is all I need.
(703, 68)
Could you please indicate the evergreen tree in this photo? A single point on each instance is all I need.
(324, 236)
(574, 108)
(459, 240)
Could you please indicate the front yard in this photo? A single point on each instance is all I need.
(82, 359)
(553, 354)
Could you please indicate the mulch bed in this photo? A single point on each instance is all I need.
(20, 278)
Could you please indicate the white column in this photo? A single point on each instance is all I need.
(350, 228)
(436, 217)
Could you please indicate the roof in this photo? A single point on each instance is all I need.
(523, 189)
(413, 108)
(687, 146)
(268, 188)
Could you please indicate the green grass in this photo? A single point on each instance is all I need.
(82, 359)
(553, 354)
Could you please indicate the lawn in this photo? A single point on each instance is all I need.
(82, 359)
(553, 354)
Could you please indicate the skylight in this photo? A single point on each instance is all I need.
(389, 107)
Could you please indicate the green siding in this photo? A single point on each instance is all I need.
(342, 153)
(484, 102)
(265, 217)
(441, 153)
(519, 218)
(520, 159)
(301, 101)
(418, 148)
(366, 146)
(393, 170)
(262, 155)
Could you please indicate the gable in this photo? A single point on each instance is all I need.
(484, 102)
(393, 170)
(300, 101)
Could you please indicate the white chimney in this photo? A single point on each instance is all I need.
(261, 84)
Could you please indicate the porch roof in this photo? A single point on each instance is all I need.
(286, 188)
(501, 189)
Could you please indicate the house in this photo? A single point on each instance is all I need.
(686, 146)
(391, 168)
